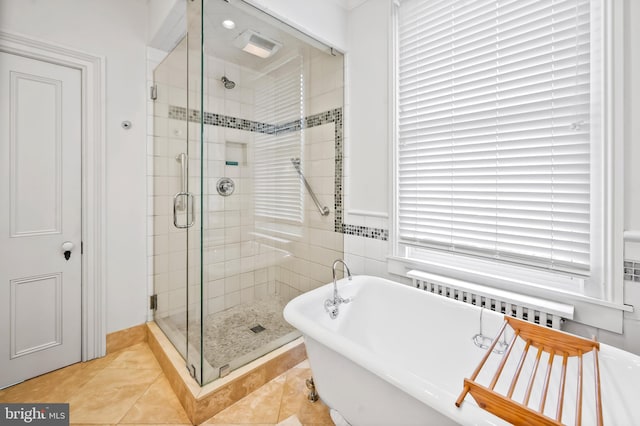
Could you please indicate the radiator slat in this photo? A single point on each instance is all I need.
(527, 308)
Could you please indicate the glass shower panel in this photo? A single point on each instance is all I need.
(171, 212)
(196, 86)
(272, 99)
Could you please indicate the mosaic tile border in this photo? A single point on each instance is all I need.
(631, 270)
(334, 116)
(366, 231)
(193, 115)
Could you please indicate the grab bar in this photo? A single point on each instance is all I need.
(183, 198)
(324, 211)
(184, 170)
(182, 159)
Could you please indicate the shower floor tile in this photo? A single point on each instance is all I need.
(128, 387)
(228, 335)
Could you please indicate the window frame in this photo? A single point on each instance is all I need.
(598, 303)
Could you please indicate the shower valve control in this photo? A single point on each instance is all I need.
(225, 186)
(67, 247)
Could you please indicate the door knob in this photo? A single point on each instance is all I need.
(67, 247)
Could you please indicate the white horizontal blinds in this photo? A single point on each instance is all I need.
(494, 129)
(278, 101)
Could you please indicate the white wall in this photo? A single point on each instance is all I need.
(367, 143)
(367, 109)
(367, 185)
(116, 30)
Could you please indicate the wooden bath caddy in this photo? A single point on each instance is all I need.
(546, 340)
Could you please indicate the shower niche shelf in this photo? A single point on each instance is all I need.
(523, 409)
(235, 153)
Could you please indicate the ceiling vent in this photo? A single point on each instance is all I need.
(257, 44)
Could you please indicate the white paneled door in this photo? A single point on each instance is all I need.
(40, 217)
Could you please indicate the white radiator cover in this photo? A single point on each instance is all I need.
(532, 309)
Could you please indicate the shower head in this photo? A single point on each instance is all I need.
(228, 84)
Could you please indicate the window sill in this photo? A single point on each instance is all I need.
(587, 310)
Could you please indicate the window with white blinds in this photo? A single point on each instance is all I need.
(494, 131)
(279, 102)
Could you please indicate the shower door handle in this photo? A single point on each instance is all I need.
(191, 211)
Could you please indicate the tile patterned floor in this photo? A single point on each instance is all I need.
(227, 334)
(128, 387)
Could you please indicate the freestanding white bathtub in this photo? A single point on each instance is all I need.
(397, 355)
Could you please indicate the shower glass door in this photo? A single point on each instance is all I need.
(173, 201)
(177, 193)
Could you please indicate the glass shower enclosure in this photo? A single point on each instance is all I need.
(247, 182)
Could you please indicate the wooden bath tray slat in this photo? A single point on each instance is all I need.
(547, 340)
(505, 408)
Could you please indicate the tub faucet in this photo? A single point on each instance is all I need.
(331, 305)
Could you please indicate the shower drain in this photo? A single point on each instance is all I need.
(257, 329)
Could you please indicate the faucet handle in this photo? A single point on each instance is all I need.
(331, 307)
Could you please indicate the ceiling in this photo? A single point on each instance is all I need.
(219, 41)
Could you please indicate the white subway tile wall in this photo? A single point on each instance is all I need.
(240, 262)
